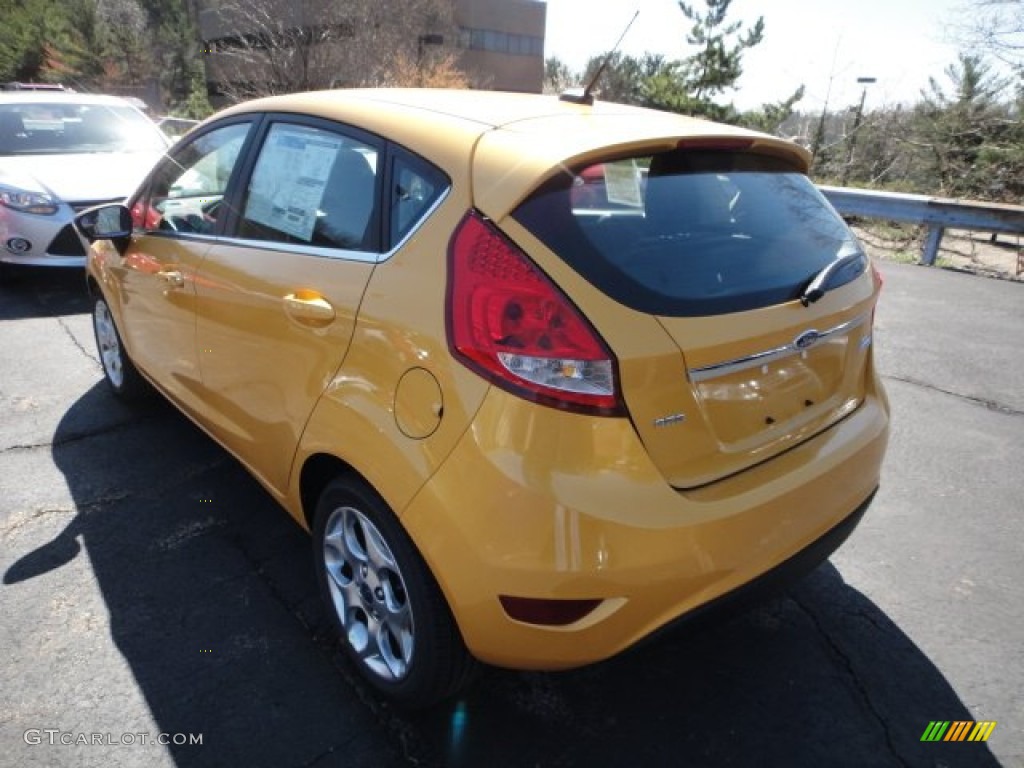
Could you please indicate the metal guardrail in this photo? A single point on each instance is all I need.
(937, 213)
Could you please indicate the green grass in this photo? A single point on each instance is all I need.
(889, 230)
(901, 257)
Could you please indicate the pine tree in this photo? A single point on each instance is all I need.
(696, 84)
(717, 65)
(965, 129)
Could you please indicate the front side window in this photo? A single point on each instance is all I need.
(692, 232)
(313, 187)
(187, 191)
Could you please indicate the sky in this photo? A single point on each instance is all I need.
(826, 45)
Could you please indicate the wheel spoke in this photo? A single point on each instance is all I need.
(357, 632)
(346, 591)
(378, 553)
(393, 594)
(334, 548)
(374, 655)
(354, 534)
(393, 649)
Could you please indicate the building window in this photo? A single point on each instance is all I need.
(500, 42)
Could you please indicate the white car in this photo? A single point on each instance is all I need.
(61, 153)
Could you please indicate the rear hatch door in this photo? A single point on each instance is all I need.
(733, 253)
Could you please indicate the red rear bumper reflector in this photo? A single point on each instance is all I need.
(552, 613)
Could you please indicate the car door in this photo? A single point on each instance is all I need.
(277, 299)
(175, 220)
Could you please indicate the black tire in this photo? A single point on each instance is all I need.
(9, 274)
(384, 604)
(119, 371)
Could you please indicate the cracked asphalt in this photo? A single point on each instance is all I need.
(150, 586)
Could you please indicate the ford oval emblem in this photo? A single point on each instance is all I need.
(806, 340)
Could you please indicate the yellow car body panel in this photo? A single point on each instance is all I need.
(710, 475)
(401, 329)
(157, 281)
(272, 329)
(545, 504)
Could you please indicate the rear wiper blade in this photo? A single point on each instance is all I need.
(816, 288)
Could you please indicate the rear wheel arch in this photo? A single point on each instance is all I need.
(318, 470)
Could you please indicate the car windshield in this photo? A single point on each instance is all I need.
(44, 128)
(689, 233)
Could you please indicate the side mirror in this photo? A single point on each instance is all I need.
(104, 222)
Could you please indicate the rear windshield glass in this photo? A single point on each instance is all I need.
(688, 233)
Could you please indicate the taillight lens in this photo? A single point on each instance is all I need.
(511, 324)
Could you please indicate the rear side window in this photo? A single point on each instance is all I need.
(417, 187)
(690, 233)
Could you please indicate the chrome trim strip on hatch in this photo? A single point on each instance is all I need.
(804, 341)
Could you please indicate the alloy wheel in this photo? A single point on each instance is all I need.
(109, 344)
(369, 595)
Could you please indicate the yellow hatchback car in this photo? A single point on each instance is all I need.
(540, 377)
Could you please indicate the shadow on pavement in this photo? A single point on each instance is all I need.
(817, 677)
(42, 292)
(213, 604)
(210, 592)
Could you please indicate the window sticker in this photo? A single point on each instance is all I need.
(622, 184)
(289, 180)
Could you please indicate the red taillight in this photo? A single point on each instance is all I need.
(508, 322)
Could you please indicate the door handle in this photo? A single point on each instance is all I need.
(172, 277)
(309, 308)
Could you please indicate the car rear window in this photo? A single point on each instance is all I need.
(690, 233)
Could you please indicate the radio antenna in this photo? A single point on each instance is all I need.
(586, 96)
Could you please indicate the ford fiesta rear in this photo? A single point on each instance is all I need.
(685, 398)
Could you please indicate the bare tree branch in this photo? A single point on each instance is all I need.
(263, 47)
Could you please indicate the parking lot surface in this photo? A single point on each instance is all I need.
(152, 591)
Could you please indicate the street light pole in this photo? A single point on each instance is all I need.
(852, 143)
(817, 143)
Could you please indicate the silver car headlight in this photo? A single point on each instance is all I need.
(27, 201)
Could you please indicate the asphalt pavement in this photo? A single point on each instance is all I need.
(152, 591)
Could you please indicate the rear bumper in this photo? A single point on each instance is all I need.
(536, 503)
(773, 581)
